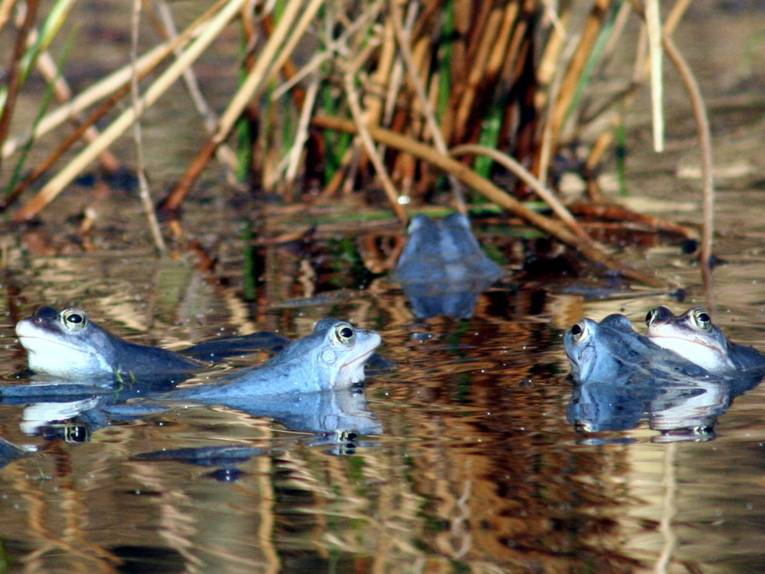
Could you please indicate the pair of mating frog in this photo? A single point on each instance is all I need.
(689, 345)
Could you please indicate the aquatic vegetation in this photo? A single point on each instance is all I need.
(391, 95)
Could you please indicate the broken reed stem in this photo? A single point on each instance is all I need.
(51, 190)
(490, 191)
(653, 26)
(705, 142)
(427, 108)
(115, 81)
(369, 145)
(14, 76)
(528, 178)
(143, 184)
(269, 61)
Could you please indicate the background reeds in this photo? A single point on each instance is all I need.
(446, 101)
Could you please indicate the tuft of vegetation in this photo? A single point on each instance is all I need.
(428, 100)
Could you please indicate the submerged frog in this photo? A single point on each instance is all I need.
(332, 357)
(68, 345)
(443, 268)
(694, 337)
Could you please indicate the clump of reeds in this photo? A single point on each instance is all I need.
(395, 94)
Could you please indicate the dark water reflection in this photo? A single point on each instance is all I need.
(477, 466)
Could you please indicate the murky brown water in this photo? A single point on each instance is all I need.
(477, 468)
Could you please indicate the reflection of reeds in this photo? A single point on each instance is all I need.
(439, 73)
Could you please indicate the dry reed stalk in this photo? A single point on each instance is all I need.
(363, 130)
(5, 11)
(491, 192)
(705, 143)
(56, 185)
(653, 26)
(327, 54)
(546, 146)
(425, 104)
(14, 67)
(463, 10)
(95, 116)
(479, 59)
(43, 167)
(108, 85)
(393, 92)
(675, 15)
(143, 185)
(702, 123)
(289, 69)
(337, 179)
(528, 178)
(301, 136)
(614, 212)
(48, 69)
(592, 28)
(373, 102)
(268, 62)
(502, 42)
(597, 151)
(224, 153)
(549, 66)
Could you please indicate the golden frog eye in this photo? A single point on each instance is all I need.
(74, 319)
(345, 333)
(701, 319)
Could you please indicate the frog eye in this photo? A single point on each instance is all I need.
(701, 319)
(579, 331)
(344, 333)
(74, 319)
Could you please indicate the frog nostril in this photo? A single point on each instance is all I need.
(45, 314)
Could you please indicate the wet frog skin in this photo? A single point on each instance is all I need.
(69, 345)
(694, 336)
(443, 252)
(443, 268)
(332, 357)
(613, 351)
(622, 377)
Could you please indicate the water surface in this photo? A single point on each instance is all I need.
(478, 466)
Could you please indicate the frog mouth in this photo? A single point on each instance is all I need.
(35, 344)
(353, 371)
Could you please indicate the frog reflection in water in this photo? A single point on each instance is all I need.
(68, 345)
(694, 337)
(443, 268)
(621, 376)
